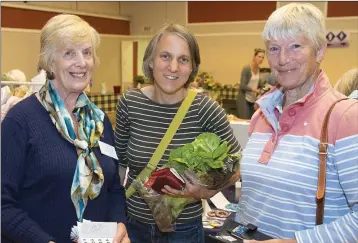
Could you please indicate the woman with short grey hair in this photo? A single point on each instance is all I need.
(279, 168)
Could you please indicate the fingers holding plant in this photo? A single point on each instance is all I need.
(193, 188)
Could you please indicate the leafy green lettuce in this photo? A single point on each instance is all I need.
(202, 155)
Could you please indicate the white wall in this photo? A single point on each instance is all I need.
(234, 42)
(100, 7)
(142, 45)
(225, 47)
(126, 63)
(153, 15)
(16, 54)
(20, 47)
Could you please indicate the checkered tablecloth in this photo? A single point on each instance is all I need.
(106, 103)
(229, 93)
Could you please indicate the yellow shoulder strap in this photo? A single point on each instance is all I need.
(173, 127)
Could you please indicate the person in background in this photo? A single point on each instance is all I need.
(53, 172)
(171, 62)
(271, 79)
(12, 94)
(348, 84)
(249, 87)
(279, 168)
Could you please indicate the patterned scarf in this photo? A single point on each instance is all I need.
(88, 178)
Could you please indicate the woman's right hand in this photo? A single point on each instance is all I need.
(121, 235)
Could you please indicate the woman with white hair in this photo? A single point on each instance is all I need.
(53, 172)
(279, 168)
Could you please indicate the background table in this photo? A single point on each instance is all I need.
(106, 102)
(229, 92)
(241, 131)
(230, 224)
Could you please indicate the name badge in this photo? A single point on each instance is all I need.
(107, 149)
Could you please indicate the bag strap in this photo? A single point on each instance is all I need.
(172, 129)
(321, 185)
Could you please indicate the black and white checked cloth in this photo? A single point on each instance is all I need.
(229, 92)
(106, 103)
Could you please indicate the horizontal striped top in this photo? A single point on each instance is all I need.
(279, 196)
(141, 124)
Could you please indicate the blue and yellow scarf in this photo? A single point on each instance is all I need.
(88, 177)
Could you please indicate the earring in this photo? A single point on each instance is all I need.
(50, 75)
(151, 66)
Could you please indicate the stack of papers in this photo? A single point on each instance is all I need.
(94, 232)
(220, 201)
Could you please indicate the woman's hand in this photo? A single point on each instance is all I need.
(272, 241)
(121, 235)
(193, 189)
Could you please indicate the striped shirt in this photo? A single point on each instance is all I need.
(279, 196)
(141, 124)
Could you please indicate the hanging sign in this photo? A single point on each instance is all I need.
(338, 38)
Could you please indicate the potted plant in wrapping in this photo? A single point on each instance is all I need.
(138, 81)
(207, 161)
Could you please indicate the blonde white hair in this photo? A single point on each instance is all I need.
(294, 20)
(348, 82)
(61, 31)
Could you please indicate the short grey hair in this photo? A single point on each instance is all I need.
(296, 19)
(63, 30)
(182, 32)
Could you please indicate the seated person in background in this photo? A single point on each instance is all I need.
(12, 94)
(171, 61)
(250, 84)
(279, 168)
(53, 173)
(348, 84)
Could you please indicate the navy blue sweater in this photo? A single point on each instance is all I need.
(37, 168)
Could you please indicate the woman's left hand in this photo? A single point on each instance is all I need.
(192, 189)
(121, 235)
(272, 241)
